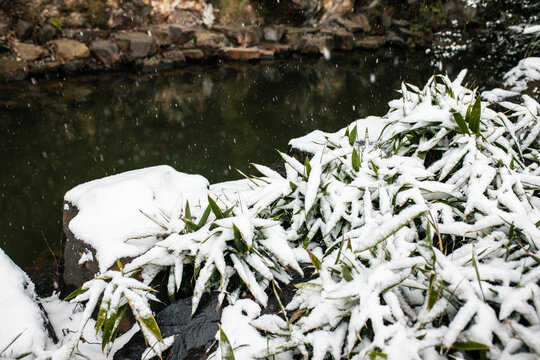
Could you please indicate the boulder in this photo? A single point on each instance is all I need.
(159, 65)
(67, 50)
(240, 53)
(208, 39)
(368, 43)
(24, 30)
(177, 56)
(12, 70)
(30, 52)
(44, 68)
(46, 33)
(251, 35)
(280, 49)
(180, 34)
(350, 26)
(161, 35)
(193, 54)
(137, 44)
(106, 51)
(363, 21)
(4, 28)
(343, 40)
(195, 335)
(73, 67)
(393, 39)
(273, 33)
(315, 44)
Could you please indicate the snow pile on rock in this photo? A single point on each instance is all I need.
(516, 80)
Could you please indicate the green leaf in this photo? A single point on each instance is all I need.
(215, 208)
(204, 217)
(119, 264)
(477, 272)
(346, 273)
(308, 286)
(462, 125)
(239, 242)
(293, 185)
(314, 260)
(474, 120)
(75, 293)
(434, 292)
(355, 160)
(352, 136)
(308, 167)
(469, 346)
(187, 212)
(227, 352)
(102, 316)
(56, 22)
(151, 324)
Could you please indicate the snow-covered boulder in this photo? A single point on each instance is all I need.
(23, 327)
(118, 217)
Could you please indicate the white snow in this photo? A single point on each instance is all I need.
(21, 318)
(371, 126)
(110, 209)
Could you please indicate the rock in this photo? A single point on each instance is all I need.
(44, 68)
(273, 33)
(184, 18)
(161, 36)
(4, 28)
(47, 33)
(67, 50)
(386, 21)
(240, 53)
(280, 49)
(151, 66)
(180, 35)
(351, 26)
(138, 44)
(251, 35)
(267, 54)
(193, 54)
(178, 58)
(30, 52)
(12, 70)
(401, 23)
(24, 30)
(209, 39)
(46, 269)
(84, 35)
(106, 51)
(234, 35)
(392, 38)
(196, 335)
(368, 43)
(343, 40)
(363, 21)
(73, 67)
(315, 44)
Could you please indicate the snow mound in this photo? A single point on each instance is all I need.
(23, 325)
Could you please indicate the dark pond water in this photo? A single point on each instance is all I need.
(55, 134)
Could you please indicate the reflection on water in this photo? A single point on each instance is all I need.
(208, 120)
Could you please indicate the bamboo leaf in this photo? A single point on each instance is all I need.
(239, 241)
(475, 264)
(308, 167)
(462, 125)
(314, 260)
(227, 352)
(469, 346)
(215, 208)
(352, 136)
(75, 293)
(346, 273)
(474, 120)
(187, 211)
(204, 217)
(309, 286)
(151, 324)
(355, 160)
